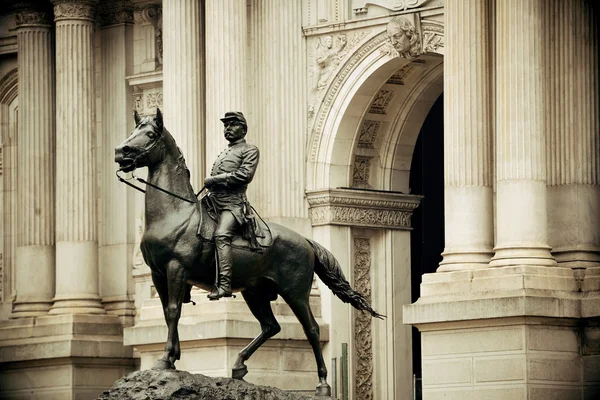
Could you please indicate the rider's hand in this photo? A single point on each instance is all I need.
(210, 182)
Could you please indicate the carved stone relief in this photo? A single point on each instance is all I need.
(324, 105)
(381, 102)
(68, 10)
(146, 101)
(150, 19)
(433, 37)
(368, 133)
(404, 38)
(362, 169)
(402, 74)
(115, 12)
(356, 208)
(28, 17)
(363, 340)
(328, 53)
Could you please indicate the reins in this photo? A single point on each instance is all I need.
(145, 182)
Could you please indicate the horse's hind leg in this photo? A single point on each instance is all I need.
(301, 308)
(260, 306)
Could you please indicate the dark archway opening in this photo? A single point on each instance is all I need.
(427, 236)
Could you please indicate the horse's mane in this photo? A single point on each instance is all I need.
(170, 144)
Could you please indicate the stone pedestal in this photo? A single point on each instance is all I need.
(468, 124)
(62, 356)
(509, 333)
(76, 212)
(36, 172)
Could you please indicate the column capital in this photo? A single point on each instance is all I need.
(151, 13)
(115, 12)
(74, 9)
(32, 14)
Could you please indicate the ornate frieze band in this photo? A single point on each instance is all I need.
(69, 9)
(364, 208)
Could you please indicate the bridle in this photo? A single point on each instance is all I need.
(147, 150)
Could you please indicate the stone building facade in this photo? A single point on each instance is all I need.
(446, 152)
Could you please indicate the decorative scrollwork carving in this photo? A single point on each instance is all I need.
(28, 17)
(345, 207)
(363, 339)
(115, 12)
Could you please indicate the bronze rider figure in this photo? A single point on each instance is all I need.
(231, 173)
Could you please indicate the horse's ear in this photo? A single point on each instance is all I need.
(136, 117)
(159, 117)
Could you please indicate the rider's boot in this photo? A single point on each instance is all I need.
(223, 245)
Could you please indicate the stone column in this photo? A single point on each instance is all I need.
(468, 120)
(35, 190)
(572, 123)
(76, 219)
(279, 117)
(116, 201)
(522, 234)
(183, 82)
(226, 42)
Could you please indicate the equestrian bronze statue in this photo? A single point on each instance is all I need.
(178, 246)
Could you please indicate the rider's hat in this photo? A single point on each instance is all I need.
(234, 116)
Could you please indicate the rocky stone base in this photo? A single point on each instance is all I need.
(172, 385)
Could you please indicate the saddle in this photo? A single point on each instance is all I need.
(255, 226)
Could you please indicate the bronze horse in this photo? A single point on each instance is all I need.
(178, 257)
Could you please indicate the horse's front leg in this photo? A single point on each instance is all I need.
(177, 279)
(171, 291)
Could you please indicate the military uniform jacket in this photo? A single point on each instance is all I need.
(235, 167)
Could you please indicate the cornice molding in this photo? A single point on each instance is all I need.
(364, 208)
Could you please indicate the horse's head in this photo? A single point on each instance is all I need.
(145, 146)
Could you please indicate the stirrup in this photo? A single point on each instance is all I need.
(219, 292)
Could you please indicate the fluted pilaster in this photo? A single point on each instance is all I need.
(183, 82)
(573, 143)
(117, 223)
(467, 136)
(278, 108)
(35, 191)
(520, 136)
(76, 225)
(226, 42)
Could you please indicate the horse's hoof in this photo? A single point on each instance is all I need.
(239, 373)
(162, 364)
(323, 390)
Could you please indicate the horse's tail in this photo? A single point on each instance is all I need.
(330, 272)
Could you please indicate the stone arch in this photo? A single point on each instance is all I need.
(334, 141)
(369, 231)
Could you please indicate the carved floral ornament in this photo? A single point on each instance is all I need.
(371, 209)
(70, 10)
(115, 13)
(28, 17)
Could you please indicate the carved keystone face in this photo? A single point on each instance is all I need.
(398, 38)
